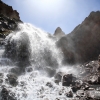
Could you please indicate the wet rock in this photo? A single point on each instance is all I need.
(99, 62)
(22, 83)
(76, 86)
(58, 76)
(29, 69)
(67, 80)
(49, 84)
(16, 70)
(85, 86)
(12, 78)
(80, 93)
(1, 75)
(50, 71)
(69, 94)
(60, 92)
(5, 95)
(94, 95)
(56, 81)
(57, 99)
(1, 81)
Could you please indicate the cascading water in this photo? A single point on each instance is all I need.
(32, 54)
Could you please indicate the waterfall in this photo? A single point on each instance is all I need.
(32, 56)
(32, 46)
(29, 63)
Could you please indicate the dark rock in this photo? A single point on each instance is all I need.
(5, 95)
(58, 76)
(56, 81)
(16, 70)
(67, 80)
(1, 80)
(29, 69)
(12, 78)
(85, 86)
(93, 79)
(1, 75)
(51, 71)
(80, 93)
(69, 94)
(76, 86)
(93, 95)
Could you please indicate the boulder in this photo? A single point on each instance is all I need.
(8, 19)
(76, 86)
(5, 95)
(69, 94)
(49, 84)
(12, 79)
(68, 80)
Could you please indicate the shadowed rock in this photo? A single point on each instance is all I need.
(83, 43)
(12, 78)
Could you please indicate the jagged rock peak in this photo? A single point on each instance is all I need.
(8, 11)
(58, 29)
(58, 32)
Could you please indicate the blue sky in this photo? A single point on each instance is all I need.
(49, 14)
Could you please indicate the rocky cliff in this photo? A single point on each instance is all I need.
(83, 43)
(8, 19)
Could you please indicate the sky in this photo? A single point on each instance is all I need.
(50, 14)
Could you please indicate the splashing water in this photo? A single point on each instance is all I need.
(35, 51)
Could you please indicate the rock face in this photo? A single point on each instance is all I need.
(59, 33)
(83, 43)
(8, 11)
(8, 19)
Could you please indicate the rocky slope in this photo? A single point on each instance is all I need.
(83, 43)
(8, 20)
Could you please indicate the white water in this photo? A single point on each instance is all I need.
(42, 48)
